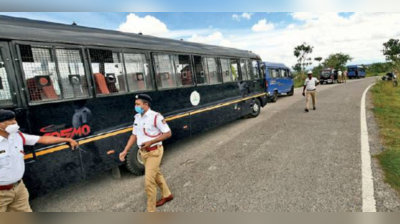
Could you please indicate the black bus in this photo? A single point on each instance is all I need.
(79, 82)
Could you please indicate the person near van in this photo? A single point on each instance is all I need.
(344, 76)
(310, 84)
(340, 76)
(149, 131)
(14, 196)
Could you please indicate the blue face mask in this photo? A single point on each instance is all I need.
(139, 110)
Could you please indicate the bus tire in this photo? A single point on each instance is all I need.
(134, 162)
(255, 109)
(274, 98)
(291, 93)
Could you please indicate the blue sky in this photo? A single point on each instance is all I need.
(271, 35)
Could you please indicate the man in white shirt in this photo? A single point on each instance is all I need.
(149, 131)
(310, 84)
(340, 77)
(14, 196)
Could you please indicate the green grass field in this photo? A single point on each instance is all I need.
(386, 99)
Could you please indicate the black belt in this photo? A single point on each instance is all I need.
(311, 90)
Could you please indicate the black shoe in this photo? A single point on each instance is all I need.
(315, 108)
(307, 110)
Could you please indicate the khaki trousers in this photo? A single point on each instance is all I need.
(15, 200)
(340, 79)
(153, 177)
(311, 94)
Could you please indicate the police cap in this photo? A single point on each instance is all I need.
(144, 97)
(6, 115)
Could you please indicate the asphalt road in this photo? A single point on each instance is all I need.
(284, 160)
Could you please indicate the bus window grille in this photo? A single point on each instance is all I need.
(105, 65)
(5, 94)
(72, 73)
(40, 73)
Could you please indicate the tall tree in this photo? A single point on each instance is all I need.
(302, 53)
(391, 50)
(337, 61)
(319, 59)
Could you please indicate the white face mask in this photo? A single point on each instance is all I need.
(11, 129)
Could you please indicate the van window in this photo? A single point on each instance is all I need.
(165, 72)
(137, 72)
(284, 73)
(244, 69)
(212, 70)
(107, 71)
(201, 77)
(72, 73)
(40, 73)
(226, 70)
(184, 73)
(235, 70)
(274, 73)
(5, 94)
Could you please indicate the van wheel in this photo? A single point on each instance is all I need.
(291, 93)
(255, 109)
(274, 98)
(134, 162)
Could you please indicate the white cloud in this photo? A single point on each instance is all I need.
(263, 26)
(245, 15)
(147, 25)
(361, 35)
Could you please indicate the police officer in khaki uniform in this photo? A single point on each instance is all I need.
(14, 196)
(149, 131)
(340, 76)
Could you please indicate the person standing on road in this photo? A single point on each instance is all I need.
(149, 131)
(344, 76)
(310, 84)
(340, 76)
(14, 196)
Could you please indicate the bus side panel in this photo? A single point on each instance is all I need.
(212, 114)
(52, 171)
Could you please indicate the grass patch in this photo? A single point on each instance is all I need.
(386, 99)
(373, 74)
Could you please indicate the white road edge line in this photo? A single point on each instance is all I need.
(368, 197)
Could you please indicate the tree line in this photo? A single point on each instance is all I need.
(338, 61)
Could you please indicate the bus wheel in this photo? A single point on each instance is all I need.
(291, 93)
(255, 109)
(134, 162)
(274, 97)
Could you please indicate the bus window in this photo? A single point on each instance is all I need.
(107, 71)
(243, 69)
(254, 70)
(72, 73)
(283, 73)
(165, 72)
(212, 70)
(274, 73)
(40, 73)
(138, 73)
(201, 77)
(5, 95)
(235, 70)
(183, 70)
(226, 70)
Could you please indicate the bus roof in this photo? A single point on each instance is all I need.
(31, 30)
(355, 66)
(274, 65)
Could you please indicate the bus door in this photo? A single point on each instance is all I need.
(284, 81)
